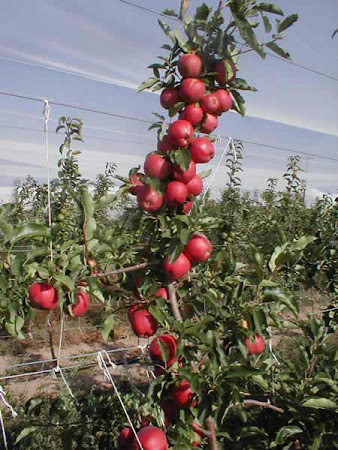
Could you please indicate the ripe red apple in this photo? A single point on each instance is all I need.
(169, 97)
(175, 193)
(198, 249)
(255, 346)
(180, 133)
(195, 185)
(170, 411)
(156, 166)
(149, 199)
(190, 66)
(162, 292)
(146, 421)
(43, 296)
(126, 438)
(192, 90)
(192, 113)
(142, 322)
(182, 395)
(136, 182)
(164, 146)
(226, 72)
(187, 206)
(184, 176)
(209, 123)
(176, 269)
(225, 100)
(82, 303)
(210, 104)
(155, 350)
(202, 150)
(151, 438)
(199, 436)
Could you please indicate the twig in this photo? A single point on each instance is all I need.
(203, 431)
(210, 425)
(257, 403)
(173, 302)
(122, 270)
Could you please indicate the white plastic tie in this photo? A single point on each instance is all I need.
(218, 139)
(103, 366)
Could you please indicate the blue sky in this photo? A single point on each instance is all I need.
(98, 53)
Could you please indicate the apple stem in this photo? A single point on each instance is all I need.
(173, 302)
(123, 270)
(252, 402)
(210, 425)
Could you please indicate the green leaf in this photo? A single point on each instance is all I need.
(25, 432)
(28, 231)
(202, 12)
(238, 103)
(248, 35)
(239, 83)
(184, 235)
(108, 327)
(176, 108)
(277, 49)
(168, 31)
(334, 33)
(285, 432)
(175, 249)
(320, 403)
(269, 7)
(238, 371)
(65, 280)
(287, 22)
(301, 243)
(267, 24)
(169, 12)
(182, 157)
(205, 174)
(147, 84)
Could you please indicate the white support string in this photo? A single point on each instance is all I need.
(14, 414)
(103, 366)
(46, 114)
(230, 142)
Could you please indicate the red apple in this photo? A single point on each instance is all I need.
(43, 296)
(180, 133)
(209, 123)
(126, 438)
(192, 90)
(226, 72)
(170, 411)
(162, 292)
(142, 322)
(182, 395)
(202, 150)
(195, 185)
(255, 346)
(136, 182)
(164, 146)
(138, 279)
(149, 199)
(169, 97)
(198, 249)
(210, 104)
(151, 438)
(184, 176)
(155, 350)
(82, 303)
(190, 66)
(176, 269)
(199, 436)
(156, 166)
(192, 113)
(187, 206)
(175, 193)
(225, 100)
(146, 421)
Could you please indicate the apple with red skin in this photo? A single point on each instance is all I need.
(176, 269)
(146, 421)
(151, 438)
(82, 304)
(175, 193)
(202, 150)
(192, 90)
(255, 346)
(222, 76)
(192, 113)
(148, 199)
(209, 123)
(126, 438)
(198, 249)
(136, 181)
(164, 145)
(162, 292)
(142, 322)
(210, 104)
(187, 206)
(156, 166)
(182, 395)
(169, 97)
(195, 185)
(184, 176)
(225, 100)
(43, 296)
(180, 133)
(170, 411)
(190, 66)
(155, 351)
(199, 434)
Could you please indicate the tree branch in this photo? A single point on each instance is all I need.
(122, 270)
(257, 403)
(210, 425)
(173, 302)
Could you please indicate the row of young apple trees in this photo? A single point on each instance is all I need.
(217, 383)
